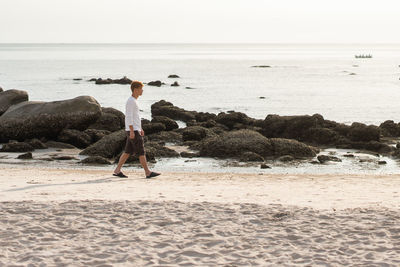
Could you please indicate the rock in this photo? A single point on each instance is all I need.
(233, 119)
(96, 135)
(195, 133)
(123, 80)
(291, 127)
(54, 144)
(167, 109)
(108, 122)
(284, 147)
(77, 79)
(30, 119)
(36, 144)
(262, 97)
(159, 150)
(322, 136)
(324, 158)
(17, 147)
(108, 147)
(75, 137)
(286, 158)
(189, 155)
(373, 146)
(250, 156)
(117, 113)
(155, 83)
(170, 136)
(63, 158)
(175, 84)
(205, 116)
(389, 128)
(151, 128)
(188, 87)
(382, 162)
(398, 145)
(11, 97)
(168, 123)
(348, 155)
(25, 156)
(1, 89)
(360, 132)
(264, 166)
(95, 160)
(173, 76)
(261, 66)
(235, 143)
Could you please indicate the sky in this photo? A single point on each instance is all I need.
(199, 21)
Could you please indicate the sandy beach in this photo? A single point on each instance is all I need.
(59, 217)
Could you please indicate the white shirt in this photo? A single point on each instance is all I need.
(132, 116)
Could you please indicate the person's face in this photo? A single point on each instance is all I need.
(140, 90)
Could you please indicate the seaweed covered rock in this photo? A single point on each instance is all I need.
(167, 109)
(169, 124)
(390, 128)
(235, 143)
(108, 147)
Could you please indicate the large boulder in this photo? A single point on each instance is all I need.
(116, 112)
(31, 119)
(167, 109)
(235, 143)
(108, 147)
(151, 128)
(291, 127)
(96, 135)
(11, 97)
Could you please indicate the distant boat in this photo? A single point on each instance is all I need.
(363, 56)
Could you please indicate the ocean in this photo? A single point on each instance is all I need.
(302, 78)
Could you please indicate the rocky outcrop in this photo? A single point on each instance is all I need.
(47, 119)
(11, 97)
(151, 128)
(169, 124)
(108, 147)
(235, 143)
(155, 83)
(167, 109)
(96, 135)
(175, 84)
(123, 80)
(166, 136)
(390, 128)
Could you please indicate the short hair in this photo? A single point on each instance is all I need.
(136, 85)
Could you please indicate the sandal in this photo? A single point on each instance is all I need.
(152, 174)
(120, 174)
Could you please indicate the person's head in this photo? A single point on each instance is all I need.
(137, 88)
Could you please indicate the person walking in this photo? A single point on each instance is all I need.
(134, 133)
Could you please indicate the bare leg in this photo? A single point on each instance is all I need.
(121, 162)
(143, 161)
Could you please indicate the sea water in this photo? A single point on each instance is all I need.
(301, 79)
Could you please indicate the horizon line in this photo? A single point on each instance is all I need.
(205, 43)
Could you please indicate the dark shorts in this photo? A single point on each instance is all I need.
(134, 146)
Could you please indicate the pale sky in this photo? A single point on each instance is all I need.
(199, 21)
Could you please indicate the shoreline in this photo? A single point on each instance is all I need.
(324, 192)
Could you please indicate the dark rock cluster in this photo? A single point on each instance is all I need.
(100, 132)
